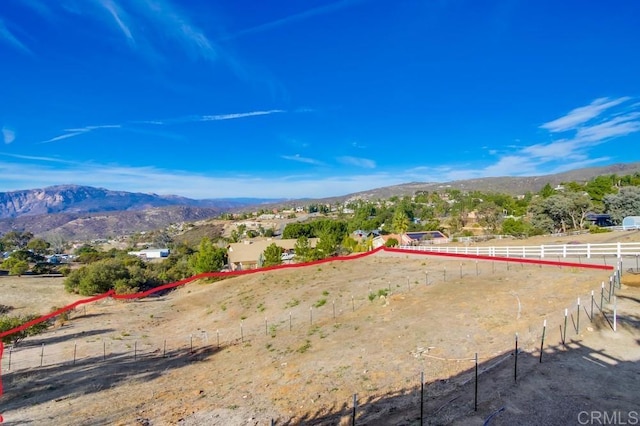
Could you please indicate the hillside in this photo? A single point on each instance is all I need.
(509, 185)
(88, 226)
(264, 346)
(80, 212)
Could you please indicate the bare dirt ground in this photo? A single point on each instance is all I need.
(296, 345)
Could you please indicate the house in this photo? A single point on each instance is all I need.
(599, 219)
(360, 234)
(151, 253)
(381, 240)
(417, 238)
(248, 254)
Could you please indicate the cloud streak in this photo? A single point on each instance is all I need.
(581, 115)
(364, 163)
(234, 116)
(10, 39)
(80, 131)
(305, 160)
(73, 132)
(115, 12)
(322, 10)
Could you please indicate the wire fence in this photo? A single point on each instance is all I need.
(37, 352)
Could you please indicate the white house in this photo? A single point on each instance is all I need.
(151, 253)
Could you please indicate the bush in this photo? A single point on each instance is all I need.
(9, 322)
(594, 229)
(391, 242)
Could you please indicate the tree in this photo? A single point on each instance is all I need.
(16, 239)
(39, 246)
(16, 266)
(489, 216)
(327, 245)
(580, 205)
(10, 322)
(303, 250)
(400, 221)
(515, 227)
(625, 203)
(391, 242)
(546, 191)
(272, 255)
(208, 258)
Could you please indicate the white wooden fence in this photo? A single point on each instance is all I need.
(588, 251)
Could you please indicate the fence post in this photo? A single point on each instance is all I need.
(475, 399)
(615, 313)
(578, 317)
(564, 331)
(591, 316)
(355, 407)
(515, 364)
(544, 329)
(421, 398)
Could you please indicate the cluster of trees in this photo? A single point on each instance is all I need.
(24, 250)
(547, 211)
(102, 271)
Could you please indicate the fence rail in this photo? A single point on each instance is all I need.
(618, 250)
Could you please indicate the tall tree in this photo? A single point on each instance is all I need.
(39, 246)
(16, 239)
(303, 250)
(208, 258)
(272, 255)
(400, 221)
(625, 203)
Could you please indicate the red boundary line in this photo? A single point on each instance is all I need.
(112, 294)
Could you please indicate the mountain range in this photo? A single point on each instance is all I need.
(83, 212)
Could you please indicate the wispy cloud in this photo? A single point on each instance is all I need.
(583, 114)
(130, 125)
(9, 38)
(177, 26)
(301, 159)
(37, 158)
(8, 135)
(118, 16)
(364, 163)
(234, 116)
(36, 174)
(70, 133)
(321, 10)
(583, 129)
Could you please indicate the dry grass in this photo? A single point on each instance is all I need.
(282, 357)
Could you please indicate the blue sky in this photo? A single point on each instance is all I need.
(316, 98)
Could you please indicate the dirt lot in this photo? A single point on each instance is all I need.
(296, 345)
